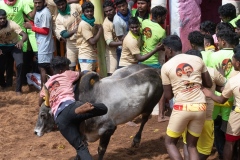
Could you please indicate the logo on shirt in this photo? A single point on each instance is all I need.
(147, 32)
(184, 69)
(53, 86)
(52, 90)
(37, 20)
(15, 9)
(227, 66)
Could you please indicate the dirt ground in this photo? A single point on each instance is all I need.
(18, 115)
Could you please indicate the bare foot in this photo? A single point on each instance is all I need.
(163, 119)
(84, 108)
(132, 124)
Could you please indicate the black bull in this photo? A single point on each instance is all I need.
(129, 92)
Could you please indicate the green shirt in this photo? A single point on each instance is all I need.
(30, 3)
(134, 13)
(233, 21)
(152, 34)
(224, 58)
(15, 12)
(205, 56)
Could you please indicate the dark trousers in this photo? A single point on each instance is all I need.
(29, 65)
(219, 136)
(10, 54)
(119, 52)
(68, 123)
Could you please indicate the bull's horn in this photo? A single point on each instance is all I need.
(92, 81)
(46, 96)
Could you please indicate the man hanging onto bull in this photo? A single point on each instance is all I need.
(68, 113)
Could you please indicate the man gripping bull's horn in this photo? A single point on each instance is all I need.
(68, 113)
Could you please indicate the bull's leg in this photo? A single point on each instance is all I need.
(137, 137)
(104, 140)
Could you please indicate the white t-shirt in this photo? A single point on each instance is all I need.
(43, 19)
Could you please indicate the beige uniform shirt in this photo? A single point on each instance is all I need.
(10, 34)
(109, 36)
(232, 87)
(69, 22)
(84, 33)
(52, 8)
(217, 79)
(183, 73)
(131, 47)
(233, 73)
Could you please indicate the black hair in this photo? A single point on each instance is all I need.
(173, 42)
(194, 52)
(2, 12)
(236, 48)
(225, 26)
(117, 2)
(229, 36)
(87, 5)
(158, 11)
(196, 38)
(59, 63)
(208, 26)
(58, 1)
(209, 38)
(227, 10)
(108, 3)
(178, 69)
(237, 55)
(133, 20)
(186, 65)
(238, 23)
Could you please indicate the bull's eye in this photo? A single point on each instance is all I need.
(43, 116)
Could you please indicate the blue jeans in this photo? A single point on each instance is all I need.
(68, 123)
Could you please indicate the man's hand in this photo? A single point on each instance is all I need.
(19, 44)
(99, 27)
(27, 25)
(159, 47)
(72, 32)
(220, 69)
(207, 92)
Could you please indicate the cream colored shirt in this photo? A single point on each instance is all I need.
(183, 73)
(52, 8)
(130, 47)
(109, 36)
(84, 33)
(69, 22)
(232, 87)
(10, 34)
(217, 79)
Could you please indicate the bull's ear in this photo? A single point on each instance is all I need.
(46, 96)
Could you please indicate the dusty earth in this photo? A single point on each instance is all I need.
(18, 116)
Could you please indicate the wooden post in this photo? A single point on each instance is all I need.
(101, 45)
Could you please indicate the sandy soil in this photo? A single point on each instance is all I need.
(18, 115)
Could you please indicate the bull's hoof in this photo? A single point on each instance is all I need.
(135, 144)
